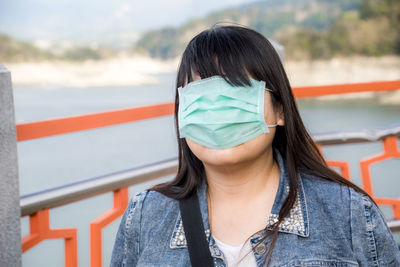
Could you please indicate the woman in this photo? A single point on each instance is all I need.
(265, 193)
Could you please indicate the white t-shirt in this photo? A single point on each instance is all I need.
(234, 253)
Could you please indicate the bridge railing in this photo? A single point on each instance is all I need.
(37, 205)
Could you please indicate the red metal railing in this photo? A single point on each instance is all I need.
(97, 225)
(40, 230)
(390, 150)
(39, 221)
(45, 128)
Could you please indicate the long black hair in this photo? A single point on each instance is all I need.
(230, 51)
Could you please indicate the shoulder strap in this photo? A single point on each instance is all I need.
(199, 251)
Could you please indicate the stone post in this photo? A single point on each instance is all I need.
(10, 232)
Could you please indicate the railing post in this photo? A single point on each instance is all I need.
(10, 233)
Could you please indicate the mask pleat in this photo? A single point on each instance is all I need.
(216, 114)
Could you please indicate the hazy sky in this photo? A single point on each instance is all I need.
(65, 19)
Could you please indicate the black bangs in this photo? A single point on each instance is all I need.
(221, 51)
(234, 53)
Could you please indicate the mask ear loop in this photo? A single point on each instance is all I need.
(270, 125)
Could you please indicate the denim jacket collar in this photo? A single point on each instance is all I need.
(295, 223)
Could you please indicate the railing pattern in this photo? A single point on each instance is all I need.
(390, 150)
(37, 205)
(96, 226)
(388, 137)
(40, 230)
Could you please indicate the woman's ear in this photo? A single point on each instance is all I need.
(281, 117)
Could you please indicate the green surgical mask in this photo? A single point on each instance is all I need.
(218, 115)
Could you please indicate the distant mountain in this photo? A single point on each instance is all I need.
(372, 30)
(13, 50)
(267, 17)
(308, 29)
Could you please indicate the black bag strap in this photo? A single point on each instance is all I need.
(196, 239)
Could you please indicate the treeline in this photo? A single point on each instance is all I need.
(12, 50)
(308, 29)
(372, 30)
(268, 17)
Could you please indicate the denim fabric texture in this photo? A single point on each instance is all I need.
(329, 225)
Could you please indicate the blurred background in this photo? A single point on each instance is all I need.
(77, 57)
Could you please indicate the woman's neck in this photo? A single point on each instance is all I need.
(241, 182)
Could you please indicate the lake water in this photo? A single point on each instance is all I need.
(53, 161)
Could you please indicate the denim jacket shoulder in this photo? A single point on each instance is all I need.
(329, 225)
(348, 215)
(127, 243)
(371, 237)
(145, 230)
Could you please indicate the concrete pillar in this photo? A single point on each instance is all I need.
(10, 231)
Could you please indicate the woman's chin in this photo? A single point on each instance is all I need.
(213, 156)
(223, 157)
(242, 153)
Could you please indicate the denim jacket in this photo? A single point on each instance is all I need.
(329, 225)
